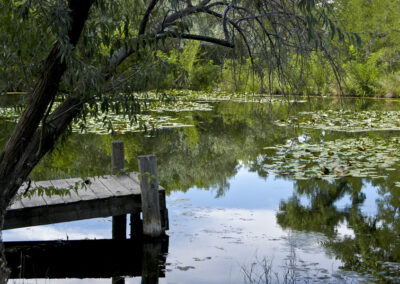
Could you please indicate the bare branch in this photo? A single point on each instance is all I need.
(201, 38)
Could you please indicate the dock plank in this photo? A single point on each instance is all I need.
(116, 188)
(33, 201)
(135, 177)
(99, 189)
(17, 204)
(128, 183)
(50, 200)
(61, 183)
(105, 196)
(95, 208)
(84, 193)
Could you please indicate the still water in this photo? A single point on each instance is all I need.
(232, 219)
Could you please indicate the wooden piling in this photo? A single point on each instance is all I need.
(117, 157)
(118, 165)
(150, 196)
(136, 224)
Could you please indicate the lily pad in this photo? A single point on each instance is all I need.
(203, 96)
(346, 121)
(105, 123)
(357, 157)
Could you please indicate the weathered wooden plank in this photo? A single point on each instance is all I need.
(116, 188)
(94, 208)
(135, 177)
(61, 183)
(84, 193)
(17, 204)
(106, 196)
(150, 196)
(50, 200)
(71, 198)
(33, 201)
(128, 183)
(99, 189)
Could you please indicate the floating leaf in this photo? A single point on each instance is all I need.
(361, 157)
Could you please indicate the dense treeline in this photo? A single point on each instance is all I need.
(369, 69)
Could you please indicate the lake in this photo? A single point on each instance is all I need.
(258, 192)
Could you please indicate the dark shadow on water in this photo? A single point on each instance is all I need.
(114, 259)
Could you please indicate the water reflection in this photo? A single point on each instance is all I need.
(374, 245)
(88, 259)
(225, 207)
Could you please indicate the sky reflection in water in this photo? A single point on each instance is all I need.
(212, 240)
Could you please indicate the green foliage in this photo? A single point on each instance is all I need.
(187, 69)
(391, 84)
(364, 73)
(239, 76)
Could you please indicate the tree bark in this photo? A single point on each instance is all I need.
(27, 144)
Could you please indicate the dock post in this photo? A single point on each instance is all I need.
(118, 165)
(136, 224)
(150, 196)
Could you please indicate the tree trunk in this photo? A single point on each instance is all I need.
(28, 143)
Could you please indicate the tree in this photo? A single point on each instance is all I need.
(94, 44)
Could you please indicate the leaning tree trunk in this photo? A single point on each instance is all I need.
(28, 143)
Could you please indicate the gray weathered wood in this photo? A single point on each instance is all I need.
(128, 183)
(84, 193)
(117, 156)
(95, 208)
(113, 186)
(33, 201)
(50, 200)
(150, 196)
(99, 189)
(17, 204)
(61, 183)
(35, 211)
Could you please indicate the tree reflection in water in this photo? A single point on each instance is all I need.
(374, 246)
(232, 135)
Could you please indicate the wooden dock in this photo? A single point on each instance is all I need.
(102, 197)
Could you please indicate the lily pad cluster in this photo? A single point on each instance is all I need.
(354, 157)
(346, 121)
(203, 96)
(179, 106)
(107, 123)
